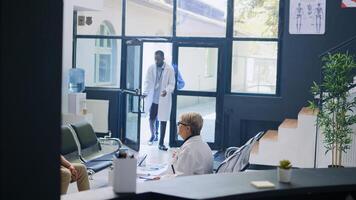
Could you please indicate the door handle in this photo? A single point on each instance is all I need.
(143, 105)
(136, 92)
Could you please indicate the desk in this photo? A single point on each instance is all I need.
(304, 181)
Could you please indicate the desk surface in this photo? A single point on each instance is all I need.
(238, 184)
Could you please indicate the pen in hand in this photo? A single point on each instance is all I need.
(174, 172)
(143, 159)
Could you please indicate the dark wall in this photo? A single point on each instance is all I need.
(300, 66)
(31, 69)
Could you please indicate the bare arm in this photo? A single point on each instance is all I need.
(65, 163)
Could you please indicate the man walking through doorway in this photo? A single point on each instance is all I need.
(158, 88)
(180, 85)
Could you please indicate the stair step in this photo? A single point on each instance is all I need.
(255, 148)
(308, 111)
(289, 123)
(270, 135)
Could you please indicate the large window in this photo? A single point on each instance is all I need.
(149, 18)
(254, 67)
(198, 38)
(256, 18)
(254, 39)
(255, 46)
(196, 18)
(89, 21)
(100, 58)
(198, 67)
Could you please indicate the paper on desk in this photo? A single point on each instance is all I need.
(262, 184)
(171, 175)
(152, 170)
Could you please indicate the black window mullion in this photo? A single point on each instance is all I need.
(230, 19)
(99, 37)
(196, 93)
(123, 19)
(74, 40)
(256, 39)
(281, 24)
(174, 28)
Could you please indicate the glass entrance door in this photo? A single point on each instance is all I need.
(198, 66)
(132, 94)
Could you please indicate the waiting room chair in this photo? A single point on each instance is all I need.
(69, 146)
(92, 153)
(237, 158)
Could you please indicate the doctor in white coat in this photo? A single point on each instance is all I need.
(194, 156)
(158, 88)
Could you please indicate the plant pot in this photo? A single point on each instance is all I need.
(284, 175)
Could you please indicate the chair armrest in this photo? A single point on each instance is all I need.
(82, 159)
(105, 142)
(229, 151)
(118, 142)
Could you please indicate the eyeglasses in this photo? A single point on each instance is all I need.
(181, 123)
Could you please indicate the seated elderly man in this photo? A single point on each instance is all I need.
(194, 156)
(71, 173)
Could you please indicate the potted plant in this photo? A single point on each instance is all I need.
(284, 171)
(335, 114)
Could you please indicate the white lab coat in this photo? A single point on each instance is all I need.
(194, 157)
(168, 84)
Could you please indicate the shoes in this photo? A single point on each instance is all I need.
(150, 142)
(162, 147)
(156, 137)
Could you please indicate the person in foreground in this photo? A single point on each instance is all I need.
(194, 156)
(71, 173)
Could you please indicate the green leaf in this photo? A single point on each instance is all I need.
(336, 114)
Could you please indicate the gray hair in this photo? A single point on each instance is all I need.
(194, 120)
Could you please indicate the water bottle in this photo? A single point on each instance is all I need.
(76, 80)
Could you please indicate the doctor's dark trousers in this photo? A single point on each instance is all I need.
(153, 116)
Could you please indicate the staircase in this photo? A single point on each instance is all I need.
(294, 140)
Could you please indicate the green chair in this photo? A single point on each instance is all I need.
(69, 146)
(95, 153)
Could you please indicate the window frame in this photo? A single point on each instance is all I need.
(97, 81)
(224, 79)
(277, 39)
(105, 49)
(228, 40)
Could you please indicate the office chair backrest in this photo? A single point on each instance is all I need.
(87, 138)
(237, 158)
(243, 161)
(85, 134)
(259, 135)
(69, 147)
(228, 165)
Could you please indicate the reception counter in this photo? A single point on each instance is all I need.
(305, 183)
